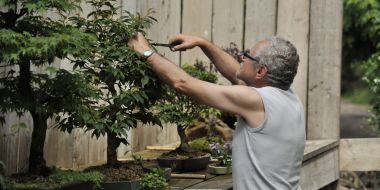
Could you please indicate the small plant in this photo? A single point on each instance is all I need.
(221, 153)
(154, 180)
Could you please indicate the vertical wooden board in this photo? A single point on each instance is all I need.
(324, 69)
(15, 143)
(168, 15)
(96, 149)
(81, 148)
(86, 9)
(102, 153)
(129, 5)
(320, 171)
(124, 149)
(10, 148)
(360, 154)
(260, 21)
(24, 143)
(65, 150)
(293, 25)
(227, 26)
(51, 144)
(197, 21)
(93, 149)
(228, 21)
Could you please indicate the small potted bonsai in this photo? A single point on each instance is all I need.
(223, 156)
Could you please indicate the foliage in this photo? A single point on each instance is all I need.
(182, 110)
(361, 26)
(30, 42)
(222, 153)
(154, 180)
(203, 143)
(361, 48)
(127, 85)
(372, 77)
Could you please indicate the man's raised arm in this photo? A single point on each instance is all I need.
(224, 62)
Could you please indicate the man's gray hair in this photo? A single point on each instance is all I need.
(281, 58)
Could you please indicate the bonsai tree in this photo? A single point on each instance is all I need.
(180, 109)
(29, 40)
(127, 87)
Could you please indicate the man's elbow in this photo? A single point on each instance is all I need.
(181, 85)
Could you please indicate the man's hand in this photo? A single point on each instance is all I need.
(183, 42)
(139, 43)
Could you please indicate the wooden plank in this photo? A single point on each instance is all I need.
(24, 143)
(153, 135)
(15, 143)
(183, 183)
(316, 147)
(293, 25)
(360, 154)
(228, 21)
(260, 21)
(51, 144)
(65, 145)
(324, 69)
(227, 26)
(196, 20)
(222, 182)
(320, 171)
(168, 15)
(129, 5)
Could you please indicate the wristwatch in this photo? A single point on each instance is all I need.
(147, 53)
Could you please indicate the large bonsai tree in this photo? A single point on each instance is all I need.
(28, 41)
(126, 85)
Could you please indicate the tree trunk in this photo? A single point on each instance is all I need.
(112, 143)
(182, 136)
(37, 162)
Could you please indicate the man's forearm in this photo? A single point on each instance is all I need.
(166, 70)
(224, 62)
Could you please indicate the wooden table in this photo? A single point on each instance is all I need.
(319, 168)
(214, 182)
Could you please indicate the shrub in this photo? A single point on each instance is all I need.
(154, 180)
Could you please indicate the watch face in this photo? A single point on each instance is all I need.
(147, 53)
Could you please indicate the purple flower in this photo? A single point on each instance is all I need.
(215, 146)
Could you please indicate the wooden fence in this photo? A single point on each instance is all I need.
(315, 27)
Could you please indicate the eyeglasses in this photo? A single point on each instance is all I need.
(246, 54)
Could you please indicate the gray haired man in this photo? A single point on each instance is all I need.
(269, 140)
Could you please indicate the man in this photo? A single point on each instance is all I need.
(269, 140)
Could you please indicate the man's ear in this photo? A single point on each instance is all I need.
(261, 72)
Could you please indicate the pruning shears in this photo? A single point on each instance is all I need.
(171, 46)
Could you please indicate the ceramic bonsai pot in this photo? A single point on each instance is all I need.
(219, 170)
